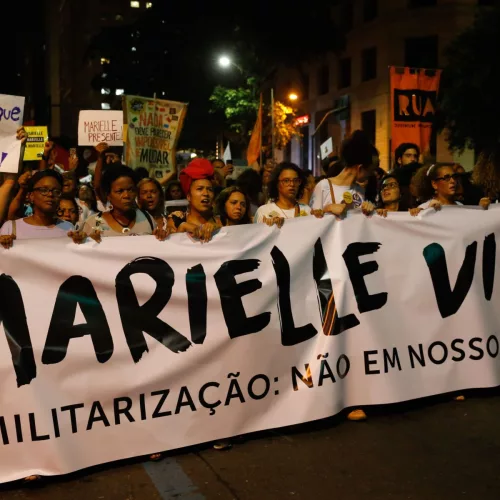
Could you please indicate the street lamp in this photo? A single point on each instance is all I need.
(225, 62)
(292, 96)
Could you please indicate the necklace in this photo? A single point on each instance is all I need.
(296, 214)
(125, 227)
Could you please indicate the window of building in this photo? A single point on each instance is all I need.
(345, 73)
(415, 4)
(105, 105)
(347, 15)
(119, 91)
(135, 4)
(149, 5)
(105, 91)
(369, 64)
(323, 80)
(105, 60)
(422, 52)
(369, 124)
(370, 10)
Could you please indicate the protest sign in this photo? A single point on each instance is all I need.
(413, 104)
(11, 118)
(153, 129)
(170, 344)
(37, 137)
(326, 148)
(95, 126)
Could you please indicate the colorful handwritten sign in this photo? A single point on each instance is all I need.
(11, 118)
(154, 127)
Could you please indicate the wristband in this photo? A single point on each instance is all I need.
(45, 158)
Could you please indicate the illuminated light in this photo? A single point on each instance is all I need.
(105, 105)
(134, 49)
(120, 91)
(105, 91)
(135, 4)
(105, 60)
(224, 61)
(293, 96)
(149, 5)
(193, 155)
(301, 121)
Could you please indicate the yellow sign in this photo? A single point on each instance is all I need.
(347, 197)
(37, 137)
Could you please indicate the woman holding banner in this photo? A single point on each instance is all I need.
(124, 219)
(343, 192)
(199, 221)
(151, 199)
(44, 192)
(438, 185)
(286, 187)
(233, 207)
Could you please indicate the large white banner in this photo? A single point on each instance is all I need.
(134, 346)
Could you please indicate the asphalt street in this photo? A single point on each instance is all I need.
(435, 448)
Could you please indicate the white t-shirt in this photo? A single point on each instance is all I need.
(272, 210)
(427, 203)
(26, 231)
(322, 197)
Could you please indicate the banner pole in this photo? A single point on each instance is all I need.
(272, 123)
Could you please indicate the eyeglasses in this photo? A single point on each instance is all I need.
(46, 191)
(287, 182)
(448, 177)
(390, 185)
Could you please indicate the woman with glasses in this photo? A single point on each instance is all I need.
(436, 186)
(390, 196)
(44, 192)
(286, 187)
(68, 210)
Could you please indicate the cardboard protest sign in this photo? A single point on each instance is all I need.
(95, 126)
(11, 118)
(326, 148)
(37, 137)
(154, 127)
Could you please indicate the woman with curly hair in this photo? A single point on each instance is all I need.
(486, 175)
(438, 185)
(286, 187)
(233, 207)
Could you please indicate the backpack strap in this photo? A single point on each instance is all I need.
(332, 194)
(150, 220)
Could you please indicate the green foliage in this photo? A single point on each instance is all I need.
(469, 97)
(239, 106)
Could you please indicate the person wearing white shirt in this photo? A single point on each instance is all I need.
(339, 194)
(286, 187)
(437, 186)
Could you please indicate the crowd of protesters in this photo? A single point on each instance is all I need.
(114, 200)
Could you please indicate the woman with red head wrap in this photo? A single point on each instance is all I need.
(199, 221)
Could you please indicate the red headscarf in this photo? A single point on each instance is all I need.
(199, 168)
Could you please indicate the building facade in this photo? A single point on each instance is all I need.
(350, 89)
(71, 67)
